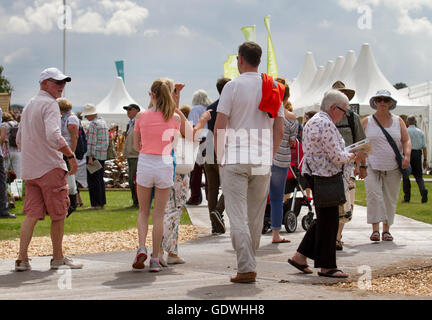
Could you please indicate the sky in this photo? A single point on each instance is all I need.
(189, 40)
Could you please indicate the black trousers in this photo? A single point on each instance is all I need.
(196, 179)
(213, 184)
(319, 242)
(96, 186)
(417, 172)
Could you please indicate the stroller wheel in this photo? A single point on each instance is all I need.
(266, 228)
(290, 222)
(307, 220)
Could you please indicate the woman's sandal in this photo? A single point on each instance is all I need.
(339, 245)
(386, 236)
(335, 273)
(375, 236)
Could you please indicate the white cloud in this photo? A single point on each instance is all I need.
(15, 56)
(351, 5)
(183, 31)
(150, 33)
(121, 17)
(406, 23)
(126, 18)
(18, 25)
(89, 22)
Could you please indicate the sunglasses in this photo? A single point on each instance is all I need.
(386, 100)
(58, 82)
(342, 109)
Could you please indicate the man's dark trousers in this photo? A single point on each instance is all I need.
(132, 165)
(417, 172)
(96, 186)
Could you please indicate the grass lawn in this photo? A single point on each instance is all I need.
(414, 209)
(113, 218)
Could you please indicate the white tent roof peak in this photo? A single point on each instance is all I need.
(367, 79)
(350, 61)
(116, 99)
(316, 80)
(340, 61)
(305, 77)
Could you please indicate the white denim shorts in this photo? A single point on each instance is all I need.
(155, 171)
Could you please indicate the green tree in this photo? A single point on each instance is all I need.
(400, 85)
(5, 85)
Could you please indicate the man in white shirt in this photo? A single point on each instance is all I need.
(43, 168)
(246, 140)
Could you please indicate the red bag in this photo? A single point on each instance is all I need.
(272, 95)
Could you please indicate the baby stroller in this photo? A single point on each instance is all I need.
(292, 206)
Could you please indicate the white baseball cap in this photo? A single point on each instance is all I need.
(53, 73)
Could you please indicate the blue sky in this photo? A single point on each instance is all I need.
(189, 40)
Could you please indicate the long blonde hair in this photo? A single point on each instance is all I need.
(162, 89)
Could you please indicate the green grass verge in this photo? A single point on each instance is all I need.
(115, 217)
(414, 209)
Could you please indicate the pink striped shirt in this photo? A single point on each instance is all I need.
(39, 137)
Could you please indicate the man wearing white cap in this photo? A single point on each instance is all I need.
(43, 168)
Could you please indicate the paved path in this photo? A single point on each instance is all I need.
(211, 261)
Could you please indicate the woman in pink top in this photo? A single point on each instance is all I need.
(154, 132)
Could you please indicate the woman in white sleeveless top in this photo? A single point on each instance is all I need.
(383, 174)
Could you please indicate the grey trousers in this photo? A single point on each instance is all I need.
(245, 201)
(382, 192)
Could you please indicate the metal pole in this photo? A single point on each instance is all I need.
(64, 41)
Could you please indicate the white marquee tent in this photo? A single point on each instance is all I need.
(111, 107)
(365, 77)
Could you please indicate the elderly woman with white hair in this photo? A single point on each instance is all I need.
(200, 102)
(324, 156)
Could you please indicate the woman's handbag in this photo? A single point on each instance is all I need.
(405, 172)
(328, 191)
(186, 153)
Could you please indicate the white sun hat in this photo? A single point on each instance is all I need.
(88, 110)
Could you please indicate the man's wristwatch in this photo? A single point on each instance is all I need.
(363, 167)
(70, 157)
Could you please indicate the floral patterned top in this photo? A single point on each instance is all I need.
(324, 148)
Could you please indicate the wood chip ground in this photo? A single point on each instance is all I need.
(86, 243)
(417, 282)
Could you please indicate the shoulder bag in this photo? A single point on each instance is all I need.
(328, 191)
(186, 153)
(405, 172)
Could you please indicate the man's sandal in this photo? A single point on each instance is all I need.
(375, 236)
(386, 236)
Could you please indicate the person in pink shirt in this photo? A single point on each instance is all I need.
(43, 168)
(154, 133)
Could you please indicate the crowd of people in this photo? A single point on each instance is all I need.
(244, 143)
